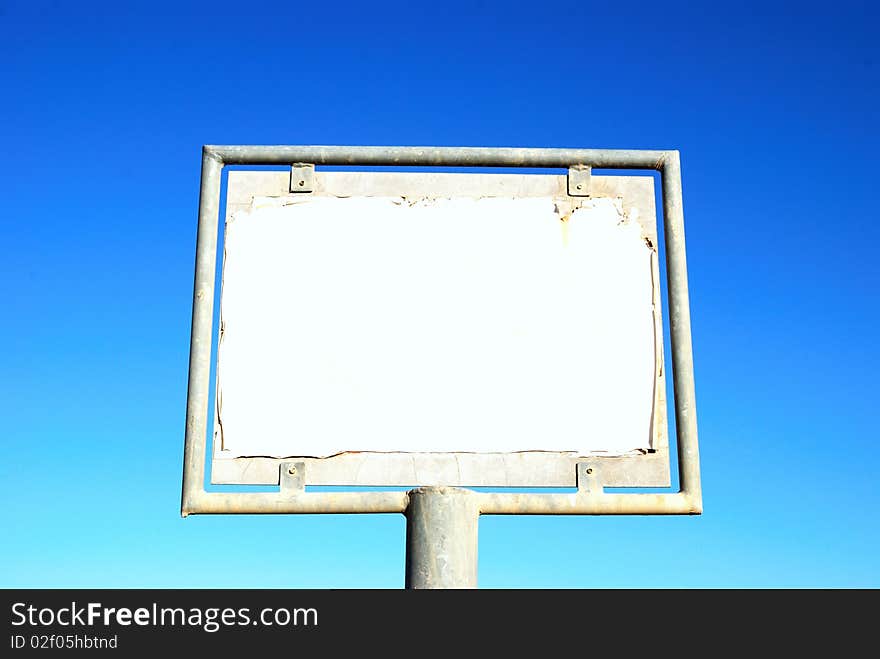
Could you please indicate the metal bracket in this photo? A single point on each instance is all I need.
(579, 180)
(302, 177)
(292, 477)
(588, 481)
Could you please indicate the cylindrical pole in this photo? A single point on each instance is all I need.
(441, 538)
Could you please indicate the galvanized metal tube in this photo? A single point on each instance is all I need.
(262, 503)
(680, 330)
(200, 338)
(587, 504)
(211, 503)
(437, 156)
(441, 538)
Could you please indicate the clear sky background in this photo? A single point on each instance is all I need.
(105, 109)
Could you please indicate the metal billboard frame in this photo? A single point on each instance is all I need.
(453, 509)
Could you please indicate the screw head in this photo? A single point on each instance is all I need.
(292, 471)
(301, 183)
(589, 470)
(579, 186)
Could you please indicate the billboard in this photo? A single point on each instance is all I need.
(384, 327)
(428, 329)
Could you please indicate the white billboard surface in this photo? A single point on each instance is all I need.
(387, 324)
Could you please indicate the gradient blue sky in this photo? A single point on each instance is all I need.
(105, 109)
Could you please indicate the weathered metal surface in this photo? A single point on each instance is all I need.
(680, 328)
(202, 331)
(292, 477)
(213, 503)
(196, 500)
(441, 538)
(265, 503)
(589, 478)
(579, 181)
(679, 503)
(526, 469)
(425, 156)
(302, 177)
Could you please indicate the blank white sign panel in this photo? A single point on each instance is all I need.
(434, 325)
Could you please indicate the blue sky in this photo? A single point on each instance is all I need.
(773, 107)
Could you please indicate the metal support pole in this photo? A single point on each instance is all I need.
(441, 538)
